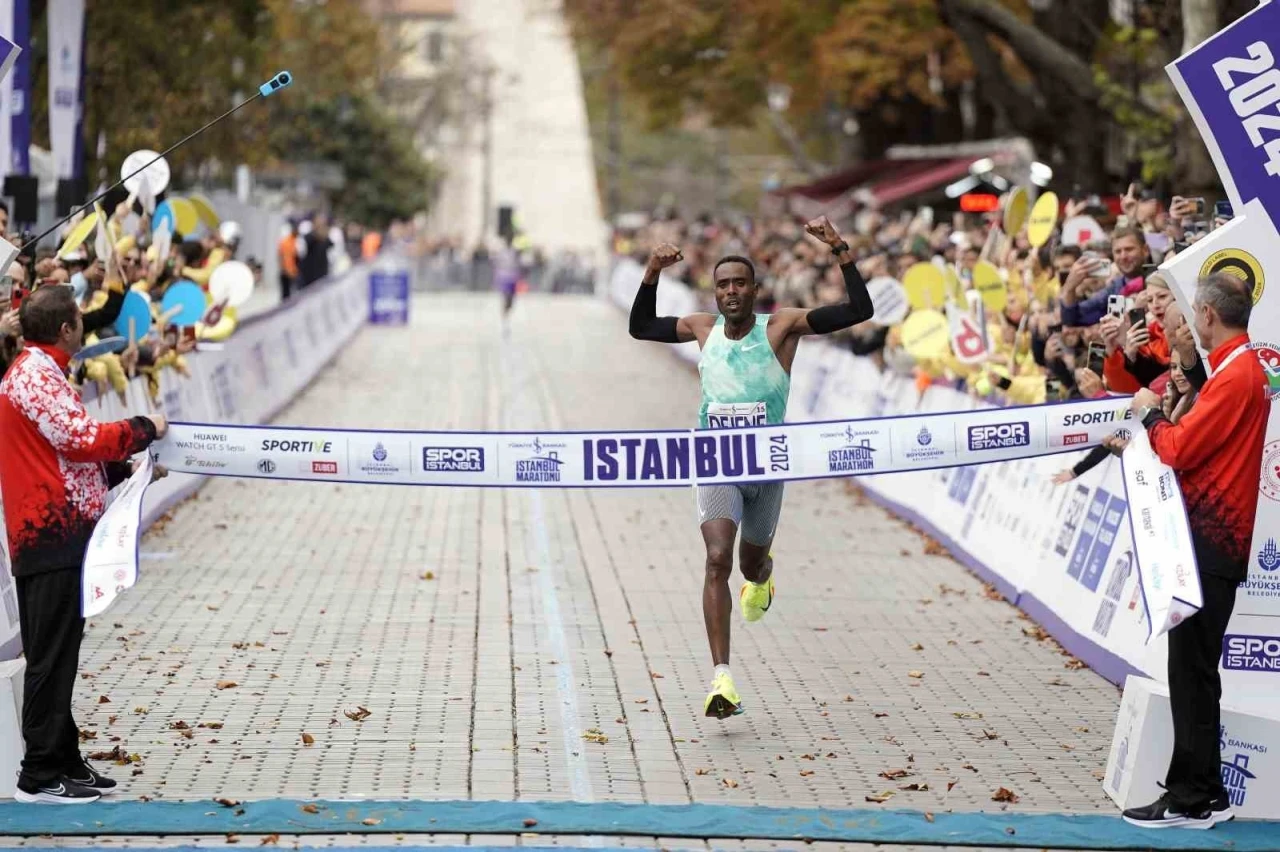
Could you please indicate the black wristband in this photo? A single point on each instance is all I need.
(839, 247)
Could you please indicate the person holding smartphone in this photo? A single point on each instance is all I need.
(1129, 249)
(1137, 345)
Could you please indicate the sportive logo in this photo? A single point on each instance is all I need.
(1235, 774)
(1000, 436)
(1269, 556)
(1091, 418)
(1251, 653)
(326, 467)
(924, 438)
(266, 466)
(856, 453)
(1270, 484)
(1075, 438)
(453, 459)
(1239, 264)
(297, 446)
(541, 463)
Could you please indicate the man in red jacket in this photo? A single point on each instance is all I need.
(1216, 449)
(56, 466)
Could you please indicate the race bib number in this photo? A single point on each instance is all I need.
(736, 414)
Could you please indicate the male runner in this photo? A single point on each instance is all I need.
(746, 376)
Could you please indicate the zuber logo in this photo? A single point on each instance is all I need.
(1075, 438)
(327, 467)
(543, 463)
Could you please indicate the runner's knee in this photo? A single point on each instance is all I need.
(719, 560)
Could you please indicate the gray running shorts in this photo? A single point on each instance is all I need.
(754, 508)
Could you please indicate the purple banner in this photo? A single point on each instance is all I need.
(1231, 86)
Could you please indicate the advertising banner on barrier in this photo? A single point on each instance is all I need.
(1231, 86)
(1249, 247)
(111, 559)
(1161, 537)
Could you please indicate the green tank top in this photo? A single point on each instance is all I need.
(742, 382)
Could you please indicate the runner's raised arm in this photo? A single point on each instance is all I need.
(645, 322)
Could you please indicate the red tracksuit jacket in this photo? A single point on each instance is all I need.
(1216, 449)
(52, 462)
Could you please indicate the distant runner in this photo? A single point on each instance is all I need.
(746, 377)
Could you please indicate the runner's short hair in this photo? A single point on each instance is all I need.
(1229, 297)
(45, 311)
(735, 258)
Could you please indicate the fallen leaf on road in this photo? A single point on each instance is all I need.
(895, 774)
(429, 575)
(102, 699)
(530, 823)
(370, 821)
(1004, 794)
(881, 798)
(595, 735)
(310, 809)
(915, 674)
(702, 771)
(307, 739)
(1035, 632)
(226, 684)
(213, 726)
(805, 773)
(270, 840)
(969, 766)
(928, 816)
(179, 725)
(359, 714)
(916, 646)
(881, 715)
(654, 675)
(991, 735)
(1075, 665)
(227, 803)
(729, 782)
(915, 787)
(951, 784)
(967, 715)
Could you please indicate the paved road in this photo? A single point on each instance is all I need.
(490, 633)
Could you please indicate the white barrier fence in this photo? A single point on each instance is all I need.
(262, 367)
(1062, 553)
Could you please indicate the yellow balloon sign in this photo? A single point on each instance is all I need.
(204, 209)
(185, 217)
(990, 286)
(78, 234)
(925, 286)
(1043, 217)
(926, 335)
(1015, 211)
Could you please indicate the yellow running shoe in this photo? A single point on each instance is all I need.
(756, 598)
(724, 700)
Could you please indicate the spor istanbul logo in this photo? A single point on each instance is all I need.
(542, 462)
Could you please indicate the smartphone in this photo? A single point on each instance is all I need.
(1200, 205)
(1004, 382)
(1116, 305)
(1097, 358)
(1052, 388)
(926, 216)
(188, 334)
(1137, 316)
(1223, 210)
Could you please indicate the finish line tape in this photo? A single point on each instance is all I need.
(648, 459)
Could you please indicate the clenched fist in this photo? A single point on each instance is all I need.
(664, 255)
(822, 229)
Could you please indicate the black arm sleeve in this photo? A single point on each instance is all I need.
(645, 322)
(1092, 460)
(858, 309)
(1145, 369)
(1197, 375)
(118, 472)
(1038, 345)
(107, 314)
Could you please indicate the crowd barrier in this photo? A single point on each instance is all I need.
(254, 374)
(1061, 553)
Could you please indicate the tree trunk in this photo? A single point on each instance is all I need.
(1194, 168)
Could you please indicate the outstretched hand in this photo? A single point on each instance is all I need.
(822, 229)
